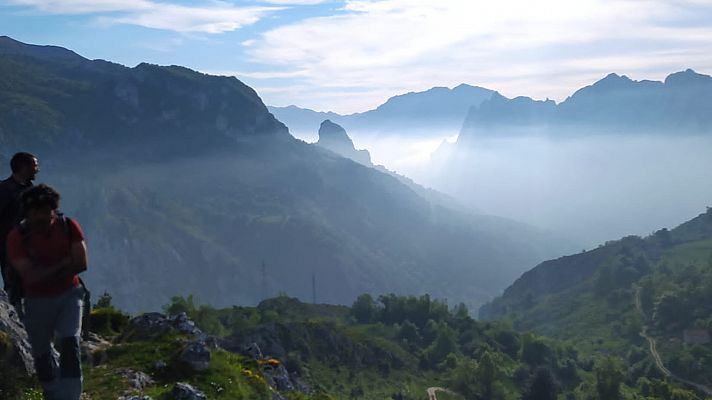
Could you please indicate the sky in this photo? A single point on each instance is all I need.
(350, 56)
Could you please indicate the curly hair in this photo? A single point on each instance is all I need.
(39, 196)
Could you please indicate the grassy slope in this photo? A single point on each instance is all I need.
(597, 311)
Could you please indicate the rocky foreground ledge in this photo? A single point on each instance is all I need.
(153, 350)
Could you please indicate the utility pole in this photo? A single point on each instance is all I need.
(313, 288)
(264, 281)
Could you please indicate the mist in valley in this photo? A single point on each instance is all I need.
(589, 188)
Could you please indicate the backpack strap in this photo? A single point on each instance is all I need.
(25, 235)
(86, 309)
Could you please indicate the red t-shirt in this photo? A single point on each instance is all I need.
(47, 248)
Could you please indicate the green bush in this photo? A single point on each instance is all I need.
(108, 321)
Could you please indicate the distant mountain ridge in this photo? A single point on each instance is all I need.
(185, 183)
(614, 104)
(413, 113)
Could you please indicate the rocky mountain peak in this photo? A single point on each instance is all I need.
(686, 78)
(334, 137)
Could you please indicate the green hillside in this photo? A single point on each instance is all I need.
(590, 298)
(387, 348)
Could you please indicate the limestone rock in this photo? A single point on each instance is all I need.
(149, 326)
(136, 379)
(94, 349)
(197, 355)
(14, 345)
(152, 325)
(183, 324)
(184, 391)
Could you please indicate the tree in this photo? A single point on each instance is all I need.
(534, 351)
(409, 332)
(542, 386)
(180, 304)
(663, 237)
(364, 309)
(461, 311)
(671, 312)
(104, 301)
(609, 377)
(444, 344)
(463, 378)
(488, 374)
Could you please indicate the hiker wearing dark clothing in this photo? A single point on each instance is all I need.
(24, 168)
(48, 251)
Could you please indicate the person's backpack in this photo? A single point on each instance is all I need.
(25, 234)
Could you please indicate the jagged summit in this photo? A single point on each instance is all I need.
(334, 137)
(614, 104)
(687, 77)
(610, 82)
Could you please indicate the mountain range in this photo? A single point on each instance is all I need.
(613, 105)
(185, 184)
(413, 114)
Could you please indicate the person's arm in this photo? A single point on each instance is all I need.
(77, 249)
(32, 274)
(78, 259)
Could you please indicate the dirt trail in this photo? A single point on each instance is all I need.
(656, 356)
(431, 392)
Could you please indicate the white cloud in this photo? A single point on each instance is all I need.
(296, 2)
(83, 6)
(209, 17)
(519, 47)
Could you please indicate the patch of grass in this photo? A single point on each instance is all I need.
(226, 378)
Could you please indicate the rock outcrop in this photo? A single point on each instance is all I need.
(184, 391)
(196, 355)
(14, 346)
(152, 325)
(333, 137)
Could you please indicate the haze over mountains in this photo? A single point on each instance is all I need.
(186, 184)
(617, 157)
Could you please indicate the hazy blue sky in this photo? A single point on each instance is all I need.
(349, 56)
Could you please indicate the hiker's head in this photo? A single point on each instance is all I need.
(40, 204)
(24, 166)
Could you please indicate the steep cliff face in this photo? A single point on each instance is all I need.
(54, 100)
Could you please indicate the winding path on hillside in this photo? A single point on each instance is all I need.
(432, 390)
(654, 350)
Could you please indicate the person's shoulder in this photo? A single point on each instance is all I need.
(74, 226)
(5, 185)
(15, 234)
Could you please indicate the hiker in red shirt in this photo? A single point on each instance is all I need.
(48, 251)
